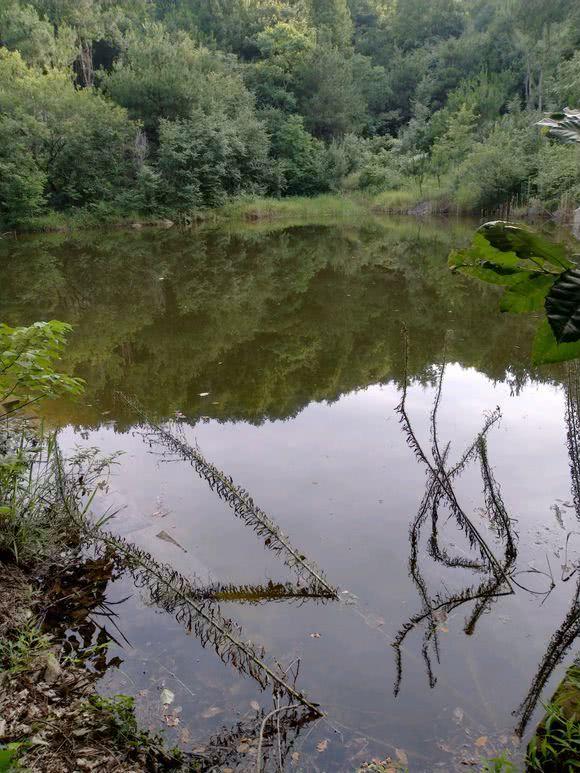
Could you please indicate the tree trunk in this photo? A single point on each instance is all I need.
(576, 226)
(86, 64)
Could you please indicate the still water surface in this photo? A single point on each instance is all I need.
(279, 353)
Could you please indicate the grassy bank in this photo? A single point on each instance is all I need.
(430, 199)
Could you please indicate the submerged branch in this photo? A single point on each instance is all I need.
(242, 504)
(174, 593)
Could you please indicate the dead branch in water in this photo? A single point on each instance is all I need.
(241, 503)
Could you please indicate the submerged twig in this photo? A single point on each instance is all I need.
(175, 594)
(241, 503)
(439, 490)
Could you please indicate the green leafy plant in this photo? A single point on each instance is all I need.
(27, 374)
(9, 757)
(117, 715)
(536, 274)
(19, 653)
(557, 746)
(499, 764)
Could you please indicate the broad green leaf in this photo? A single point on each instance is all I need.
(526, 245)
(8, 756)
(482, 261)
(527, 295)
(492, 274)
(563, 307)
(480, 251)
(547, 350)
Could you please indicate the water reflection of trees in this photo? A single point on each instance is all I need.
(264, 322)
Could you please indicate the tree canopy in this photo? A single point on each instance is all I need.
(166, 106)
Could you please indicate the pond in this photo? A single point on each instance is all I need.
(281, 355)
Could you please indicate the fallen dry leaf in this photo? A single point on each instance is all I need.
(163, 535)
(402, 756)
(211, 712)
(171, 720)
(481, 741)
(167, 697)
(458, 715)
(315, 636)
(322, 746)
(255, 705)
(243, 748)
(295, 756)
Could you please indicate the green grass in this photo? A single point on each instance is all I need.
(21, 651)
(116, 717)
(298, 208)
(83, 220)
(555, 748)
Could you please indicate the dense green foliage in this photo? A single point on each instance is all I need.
(161, 107)
(27, 357)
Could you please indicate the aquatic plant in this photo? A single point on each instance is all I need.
(567, 633)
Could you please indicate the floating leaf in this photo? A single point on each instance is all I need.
(213, 711)
(563, 307)
(255, 705)
(168, 538)
(322, 746)
(481, 741)
(167, 697)
(402, 756)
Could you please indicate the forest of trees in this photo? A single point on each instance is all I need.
(164, 107)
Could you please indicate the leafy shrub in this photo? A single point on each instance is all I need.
(381, 173)
(302, 158)
(558, 173)
(205, 158)
(496, 170)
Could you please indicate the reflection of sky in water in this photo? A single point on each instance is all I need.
(341, 481)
